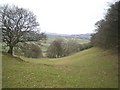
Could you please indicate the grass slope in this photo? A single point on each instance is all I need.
(86, 69)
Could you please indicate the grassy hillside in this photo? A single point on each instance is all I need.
(86, 69)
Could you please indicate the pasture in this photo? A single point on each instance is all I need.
(91, 68)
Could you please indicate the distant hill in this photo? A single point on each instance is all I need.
(80, 36)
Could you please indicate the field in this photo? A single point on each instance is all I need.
(91, 68)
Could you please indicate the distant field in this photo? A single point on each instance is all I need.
(92, 68)
(81, 41)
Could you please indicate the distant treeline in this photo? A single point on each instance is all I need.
(106, 35)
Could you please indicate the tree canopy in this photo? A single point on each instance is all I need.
(106, 35)
(18, 25)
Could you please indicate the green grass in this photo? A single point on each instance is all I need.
(86, 69)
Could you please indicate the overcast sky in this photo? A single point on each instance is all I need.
(65, 16)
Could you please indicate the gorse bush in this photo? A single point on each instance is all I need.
(28, 50)
(85, 46)
(35, 51)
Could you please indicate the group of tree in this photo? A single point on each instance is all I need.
(18, 25)
(106, 35)
(60, 48)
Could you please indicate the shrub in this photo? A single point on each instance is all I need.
(85, 46)
(28, 50)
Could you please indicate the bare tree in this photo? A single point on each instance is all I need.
(16, 23)
(55, 50)
(71, 46)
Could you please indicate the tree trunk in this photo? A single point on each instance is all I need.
(10, 51)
